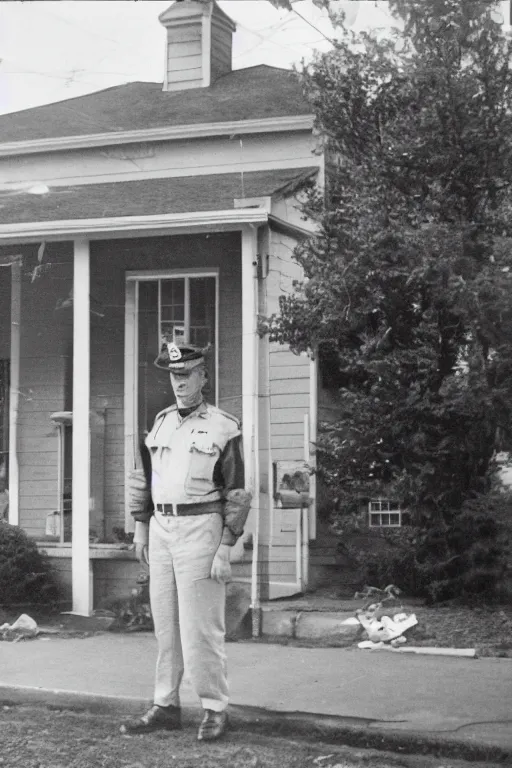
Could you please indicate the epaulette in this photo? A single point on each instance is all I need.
(225, 414)
(166, 410)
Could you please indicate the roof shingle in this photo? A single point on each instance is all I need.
(244, 94)
(148, 197)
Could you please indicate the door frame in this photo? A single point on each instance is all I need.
(131, 362)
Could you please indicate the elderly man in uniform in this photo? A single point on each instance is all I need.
(188, 515)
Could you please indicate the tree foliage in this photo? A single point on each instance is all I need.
(408, 279)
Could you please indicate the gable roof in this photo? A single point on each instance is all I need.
(244, 94)
(149, 197)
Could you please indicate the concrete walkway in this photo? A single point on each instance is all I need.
(441, 698)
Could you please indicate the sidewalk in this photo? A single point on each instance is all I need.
(468, 701)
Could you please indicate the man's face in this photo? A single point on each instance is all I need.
(188, 385)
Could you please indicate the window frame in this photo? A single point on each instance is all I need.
(391, 508)
(131, 389)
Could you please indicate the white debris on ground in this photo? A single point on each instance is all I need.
(24, 627)
(385, 630)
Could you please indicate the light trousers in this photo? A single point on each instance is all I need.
(188, 608)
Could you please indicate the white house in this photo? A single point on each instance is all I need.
(137, 212)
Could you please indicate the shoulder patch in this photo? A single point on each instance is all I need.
(226, 415)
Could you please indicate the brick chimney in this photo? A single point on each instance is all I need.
(198, 45)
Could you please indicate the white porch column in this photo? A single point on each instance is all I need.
(81, 582)
(250, 401)
(249, 371)
(14, 391)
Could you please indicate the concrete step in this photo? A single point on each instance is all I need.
(333, 628)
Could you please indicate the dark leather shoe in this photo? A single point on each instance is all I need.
(214, 724)
(156, 719)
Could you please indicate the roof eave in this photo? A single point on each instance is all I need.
(133, 226)
(167, 133)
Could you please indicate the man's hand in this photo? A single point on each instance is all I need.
(142, 553)
(138, 491)
(221, 569)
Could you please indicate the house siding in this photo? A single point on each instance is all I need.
(289, 389)
(221, 47)
(44, 375)
(184, 51)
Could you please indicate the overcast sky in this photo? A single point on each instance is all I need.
(57, 50)
(54, 50)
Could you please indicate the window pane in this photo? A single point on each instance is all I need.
(173, 291)
(375, 519)
(173, 332)
(384, 519)
(176, 313)
(394, 519)
(202, 303)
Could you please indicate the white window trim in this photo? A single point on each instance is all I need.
(131, 357)
(380, 512)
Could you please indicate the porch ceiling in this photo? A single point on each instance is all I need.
(148, 197)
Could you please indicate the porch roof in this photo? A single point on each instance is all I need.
(148, 197)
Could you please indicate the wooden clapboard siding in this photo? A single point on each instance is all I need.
(292, 415)
(220, 56)
(288, 428)
(289, 388)
(299, 400)
(109, 262)
(5, 311)
(297, 385)
(184, 51)
(44, 378)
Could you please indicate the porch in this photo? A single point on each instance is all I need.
(86, 317)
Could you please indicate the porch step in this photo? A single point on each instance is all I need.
(326, 622)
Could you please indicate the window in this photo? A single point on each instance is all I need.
(383, 513)
(178, 307)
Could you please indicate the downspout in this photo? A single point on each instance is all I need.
(255, 574)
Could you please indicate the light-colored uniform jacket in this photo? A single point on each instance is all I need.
(199, 459)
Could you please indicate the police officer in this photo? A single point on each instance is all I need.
(188, 514)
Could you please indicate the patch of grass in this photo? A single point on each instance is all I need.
(34, 737)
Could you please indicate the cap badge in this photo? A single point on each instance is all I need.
(174, 352)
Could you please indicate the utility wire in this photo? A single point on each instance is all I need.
(312, 25)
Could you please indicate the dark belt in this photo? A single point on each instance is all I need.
(181, 510)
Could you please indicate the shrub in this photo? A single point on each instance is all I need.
(26, 576)
(466, 558)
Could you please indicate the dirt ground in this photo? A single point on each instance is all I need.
(488, 630)
(33, 737)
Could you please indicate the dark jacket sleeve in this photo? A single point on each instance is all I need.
(229, 473)
(144, 515)
(229, 469)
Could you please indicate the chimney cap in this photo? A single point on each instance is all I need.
(189, 9)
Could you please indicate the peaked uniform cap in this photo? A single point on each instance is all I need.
(179, 357)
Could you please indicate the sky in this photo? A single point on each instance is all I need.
(54, 50)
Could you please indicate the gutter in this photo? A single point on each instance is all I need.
(130, 226)
(167, 133)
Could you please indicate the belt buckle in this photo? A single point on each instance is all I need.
(165, 513)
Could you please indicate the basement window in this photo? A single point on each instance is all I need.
(383, 513)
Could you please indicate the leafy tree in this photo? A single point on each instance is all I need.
(408, 289)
